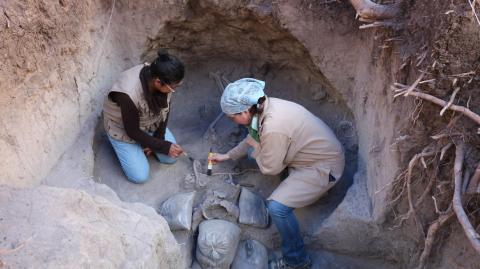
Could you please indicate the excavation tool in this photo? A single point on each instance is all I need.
(186, 155)
(210, 163)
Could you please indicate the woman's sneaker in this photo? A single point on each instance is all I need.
(282, 264)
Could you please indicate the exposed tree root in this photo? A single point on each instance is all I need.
(401, 90)
(444, 216)
(455, 207)
(370, 10)
(452, 98)
(375, 24)
(377, 15)
(455, 193)
(414, 85)
(399, 181)
(469, 230)
(472, 5)
(444, 150)
(473, 184)
(408, 179)
(472, 235)
(431, 235)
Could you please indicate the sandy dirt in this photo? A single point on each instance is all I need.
(58, 59)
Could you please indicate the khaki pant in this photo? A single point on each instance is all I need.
(303, 186)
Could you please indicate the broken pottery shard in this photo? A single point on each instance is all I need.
(252, 209)
(251, 254)
(217, 244)
(215, 206)
(177, 211)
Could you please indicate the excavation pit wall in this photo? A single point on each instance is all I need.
(315, 57)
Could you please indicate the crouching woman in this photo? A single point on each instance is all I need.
(283, 135)
(135, 115)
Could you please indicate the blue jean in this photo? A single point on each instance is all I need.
(133, 160)
(293, 249)
(249, 153)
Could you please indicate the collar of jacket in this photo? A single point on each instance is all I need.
(261, 117)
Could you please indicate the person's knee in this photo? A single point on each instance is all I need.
(139, 176)
(276, 209)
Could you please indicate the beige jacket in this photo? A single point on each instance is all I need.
(129, 83)
(291, 136)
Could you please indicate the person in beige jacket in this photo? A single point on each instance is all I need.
(283, 135)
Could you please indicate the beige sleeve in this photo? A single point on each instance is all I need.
(271, 153)
(239, 150)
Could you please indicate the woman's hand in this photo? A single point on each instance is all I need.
(175, 151)
(218, 157)
(147, 151)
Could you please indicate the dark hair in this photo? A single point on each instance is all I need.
(258, 108)
(168, 69)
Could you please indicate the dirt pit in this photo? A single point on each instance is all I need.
(194, 108)
(310, 52)
(198, 125)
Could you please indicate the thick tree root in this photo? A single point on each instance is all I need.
(473, 185)
(469, 230)
(406, 91)
(376, 14)
(370, 10)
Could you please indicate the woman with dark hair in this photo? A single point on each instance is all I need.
(135, 115)
(283, 135)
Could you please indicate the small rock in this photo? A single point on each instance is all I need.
(319, 95)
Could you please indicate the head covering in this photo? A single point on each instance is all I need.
(240, 95)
